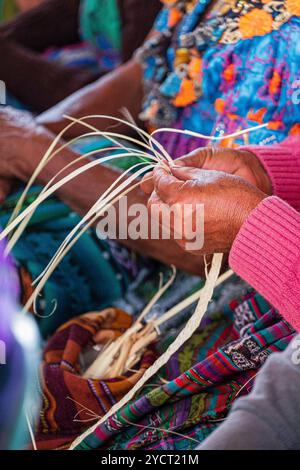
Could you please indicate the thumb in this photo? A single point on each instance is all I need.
(197, 158)
(166, 185)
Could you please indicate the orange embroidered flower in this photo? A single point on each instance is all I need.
(257, 116)
(186, 95)
(274, 125)
(225, 143)
(293, 7)
(228, 73)
(220, 105)
(295, 130)
(174, 17)
(255, 23)
(275, 83)
(195, 68)
(182, 57)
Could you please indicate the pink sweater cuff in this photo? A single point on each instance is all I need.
(266, 253)
(282, 163)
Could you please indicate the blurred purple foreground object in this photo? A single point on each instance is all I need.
(19, 357)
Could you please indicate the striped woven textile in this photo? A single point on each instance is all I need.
(71, 402)
(216, 366)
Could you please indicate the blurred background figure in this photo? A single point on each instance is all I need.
(25, 5)
(9, 8)
(67, 44)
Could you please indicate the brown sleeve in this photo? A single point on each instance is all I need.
(54, 23)
(137, 19)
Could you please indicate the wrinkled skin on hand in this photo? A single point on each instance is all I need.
(227, 199)
(22, 144)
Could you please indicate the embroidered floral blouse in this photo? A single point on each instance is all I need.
(219, 67)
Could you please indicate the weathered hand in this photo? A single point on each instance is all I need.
(227, 201)
(235, 162)
(22, 145)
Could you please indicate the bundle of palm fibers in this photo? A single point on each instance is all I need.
(71, 402)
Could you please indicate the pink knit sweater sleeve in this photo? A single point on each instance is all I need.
(266, 253)
(282, 163)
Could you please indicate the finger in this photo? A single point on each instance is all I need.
(157, 211)
(203, 177)
(188, 173)
(154, 206)
(166, 184)
(197, 158)
(147, 184)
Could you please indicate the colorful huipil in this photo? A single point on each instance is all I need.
(219, 67)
